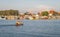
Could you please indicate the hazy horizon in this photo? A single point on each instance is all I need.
(30, 5)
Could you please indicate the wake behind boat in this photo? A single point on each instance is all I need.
(10, 23)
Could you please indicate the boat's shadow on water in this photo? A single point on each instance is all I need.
(9, 25)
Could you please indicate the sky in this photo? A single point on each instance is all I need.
(30, 5)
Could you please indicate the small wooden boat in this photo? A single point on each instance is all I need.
(19, 23)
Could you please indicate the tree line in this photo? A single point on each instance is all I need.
(9, 12)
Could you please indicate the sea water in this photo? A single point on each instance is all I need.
(31, 28)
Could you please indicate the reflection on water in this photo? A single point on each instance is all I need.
(31, 28)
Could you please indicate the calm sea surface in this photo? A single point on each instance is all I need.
(31, 28)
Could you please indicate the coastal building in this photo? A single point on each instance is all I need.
(10, 17)
(21, 16)
(51, 12)
(37, 17)
(57, 17)
(43, 17)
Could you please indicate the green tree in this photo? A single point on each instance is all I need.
(45, 13)
(14, 12)
(9, 12)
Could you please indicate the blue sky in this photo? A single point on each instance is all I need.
(27, 5)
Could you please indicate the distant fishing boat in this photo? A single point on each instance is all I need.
(19, 23)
